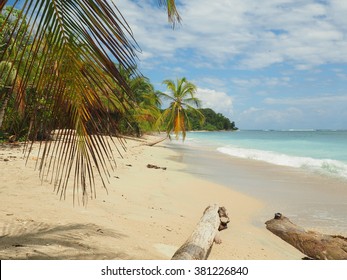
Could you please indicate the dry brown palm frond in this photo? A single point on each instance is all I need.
(66, 55)
(64, 52)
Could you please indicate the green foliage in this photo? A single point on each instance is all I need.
(66, 75)
(182, 97)
(142, 104)
(213, 121)
(63, 70)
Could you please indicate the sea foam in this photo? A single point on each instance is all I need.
(324, 166)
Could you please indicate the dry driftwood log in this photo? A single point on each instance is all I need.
(198, 246)
(313, 244)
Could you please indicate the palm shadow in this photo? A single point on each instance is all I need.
(33, 240)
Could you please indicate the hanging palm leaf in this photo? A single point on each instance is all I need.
(64, 53)
(172, 12)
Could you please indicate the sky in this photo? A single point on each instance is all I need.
(270, 64)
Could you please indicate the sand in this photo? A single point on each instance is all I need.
(310, 199)
(147, 213)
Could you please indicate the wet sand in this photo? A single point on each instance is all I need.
(312, 200)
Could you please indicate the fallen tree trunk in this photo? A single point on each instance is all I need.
(313, 244)
(198, 246)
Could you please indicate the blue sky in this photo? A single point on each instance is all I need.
(270, 64)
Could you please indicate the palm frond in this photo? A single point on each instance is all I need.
(192, 100)
(182, 95)
(165, 96)
(172, 12)
(66, 53)
(196, 112)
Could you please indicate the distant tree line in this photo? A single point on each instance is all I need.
(78, 76)
(213, 121)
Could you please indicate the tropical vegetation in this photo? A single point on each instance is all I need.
(213, 121)
(62, 54)
(71, 65)
(181, 95)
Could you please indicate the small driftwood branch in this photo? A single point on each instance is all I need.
(198, 246)
(313, 244)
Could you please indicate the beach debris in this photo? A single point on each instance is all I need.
(129, 165)
(199, 245)
(12, 138)
(313, 244)
(18, 245)
(155, 167)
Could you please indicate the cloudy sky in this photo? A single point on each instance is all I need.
(270, 64)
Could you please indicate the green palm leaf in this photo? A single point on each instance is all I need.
(64, 51)
(70, 47)
(182, 97)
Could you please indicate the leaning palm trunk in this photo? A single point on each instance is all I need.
(157, 141)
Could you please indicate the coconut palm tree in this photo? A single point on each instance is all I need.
(142, 107)
(182, 97)
(69, 62)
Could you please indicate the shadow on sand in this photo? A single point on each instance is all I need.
(29, 239)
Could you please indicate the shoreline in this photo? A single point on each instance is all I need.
(147, 213)
(312, 200)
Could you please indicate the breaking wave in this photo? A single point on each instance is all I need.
(324, 166)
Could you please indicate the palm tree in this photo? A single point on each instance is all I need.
(182, 97)
(69, 62)
(145, 107)
(142, 107)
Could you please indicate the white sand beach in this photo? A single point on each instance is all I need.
(147, 213)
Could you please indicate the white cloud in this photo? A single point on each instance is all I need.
(315, 100)
(214, 82)
(252, 34)
(262, 81)
(217, 100)
(301, 112)
(270, 118)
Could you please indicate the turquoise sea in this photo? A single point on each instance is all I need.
(321, 151)
(311, 188)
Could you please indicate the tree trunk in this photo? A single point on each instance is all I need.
(313, 244)
(156, 142)
(4, 106)
(198, 246)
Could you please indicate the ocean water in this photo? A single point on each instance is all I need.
(314, 202)
(319, 151)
